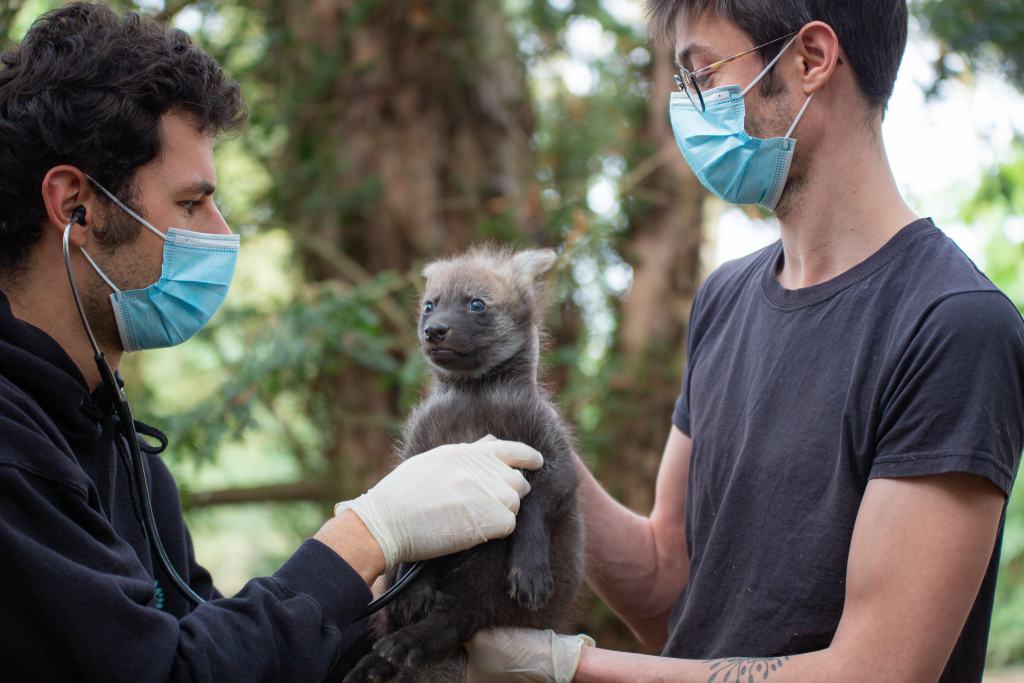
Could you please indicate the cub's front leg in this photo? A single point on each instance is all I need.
(418, 599)
(529, 575)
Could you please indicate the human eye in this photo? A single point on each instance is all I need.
(187, 205)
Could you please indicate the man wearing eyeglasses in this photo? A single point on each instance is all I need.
(830, 502)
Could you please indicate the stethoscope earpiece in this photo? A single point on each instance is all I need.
(78, 215)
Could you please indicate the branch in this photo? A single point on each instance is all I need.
(646, 168)
(325, 249)
(348, 268)
(299, 490)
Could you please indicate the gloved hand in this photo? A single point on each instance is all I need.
(523, 655)
(446, 500)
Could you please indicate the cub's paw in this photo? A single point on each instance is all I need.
(371, 669)
(531, 589)
(415, 603)
(401, 650)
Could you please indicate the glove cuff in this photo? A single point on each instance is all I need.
(365, 510)
(565, 654)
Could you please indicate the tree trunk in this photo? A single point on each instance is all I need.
(663, 247)
(408, 136)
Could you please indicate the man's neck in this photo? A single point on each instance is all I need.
(44, 299)
(847, 210)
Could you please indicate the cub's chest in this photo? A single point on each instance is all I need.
(453, 416)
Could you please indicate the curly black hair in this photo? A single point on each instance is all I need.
(87, 87)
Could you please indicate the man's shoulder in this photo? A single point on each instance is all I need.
(934, 282)
(937, 266)
(32, 444)
(736, 278)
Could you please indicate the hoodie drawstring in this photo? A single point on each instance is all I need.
(110, 434)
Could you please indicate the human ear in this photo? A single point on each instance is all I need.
(64, 189)
(818, 48)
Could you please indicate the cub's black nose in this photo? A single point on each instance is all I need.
(436, 332)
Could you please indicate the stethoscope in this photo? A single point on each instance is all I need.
(137, 471)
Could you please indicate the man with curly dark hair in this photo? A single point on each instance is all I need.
(107, 125)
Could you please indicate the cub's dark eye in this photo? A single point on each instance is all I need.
(428, 307)
(477, 306)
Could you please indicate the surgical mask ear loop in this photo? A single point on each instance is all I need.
(130, 213)
(762, 75)
(125, 207)
(799, 116)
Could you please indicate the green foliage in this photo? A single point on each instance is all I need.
(290, 355)
(999, 203)
(1006, 638)
(989, 34)
(1002, 188)
(986, 32)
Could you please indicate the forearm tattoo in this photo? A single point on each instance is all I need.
(743, 669)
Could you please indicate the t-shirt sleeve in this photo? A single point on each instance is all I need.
(955, 401)
(681, 414)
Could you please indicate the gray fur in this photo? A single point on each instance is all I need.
(486, 383)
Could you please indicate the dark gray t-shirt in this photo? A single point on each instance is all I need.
(911, 363)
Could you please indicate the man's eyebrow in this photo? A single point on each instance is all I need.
(686, 55)
(201, 187)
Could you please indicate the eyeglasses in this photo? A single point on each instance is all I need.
(689, 81)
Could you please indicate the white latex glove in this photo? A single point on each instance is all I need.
(524, 655)
(446, 500)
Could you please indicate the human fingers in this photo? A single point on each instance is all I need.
(499, 524)
(503, 478)
(516, 454)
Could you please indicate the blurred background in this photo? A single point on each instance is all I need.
(385, 133)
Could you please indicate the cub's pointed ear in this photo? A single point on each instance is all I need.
(534, 263)
(431, 269)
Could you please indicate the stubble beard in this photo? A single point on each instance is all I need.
(772, 118)
(128, 266)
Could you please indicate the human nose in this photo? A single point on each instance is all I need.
(216, 225)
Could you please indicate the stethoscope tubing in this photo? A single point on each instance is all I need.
(124, 416)
(140, 483)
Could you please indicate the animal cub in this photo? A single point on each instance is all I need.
(480, 331)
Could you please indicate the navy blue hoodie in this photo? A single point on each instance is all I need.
(80, 597)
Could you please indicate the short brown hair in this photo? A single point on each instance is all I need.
(872, 33)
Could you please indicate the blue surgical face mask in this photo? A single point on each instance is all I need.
(737, 168)
(196, 274)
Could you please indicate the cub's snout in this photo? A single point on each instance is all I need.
(435, 332)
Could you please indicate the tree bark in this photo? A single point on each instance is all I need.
(663, 247)
(409, 133)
